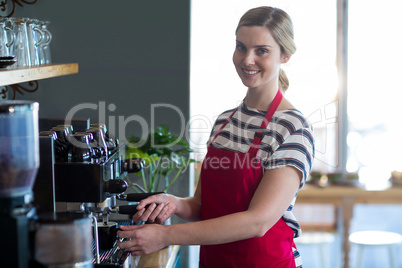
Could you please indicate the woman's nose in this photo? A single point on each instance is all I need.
(248, 58)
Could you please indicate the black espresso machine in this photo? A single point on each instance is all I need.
(57, 214)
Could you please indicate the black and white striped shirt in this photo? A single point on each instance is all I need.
(287, 141)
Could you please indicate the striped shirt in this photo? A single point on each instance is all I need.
(287, 141)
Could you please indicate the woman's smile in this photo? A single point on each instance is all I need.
(250, 73)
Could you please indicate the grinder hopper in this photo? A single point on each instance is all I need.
(19, 147)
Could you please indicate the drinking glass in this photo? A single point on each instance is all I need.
(7, 40)
(36, 38)
(21, 43)
(45, 56)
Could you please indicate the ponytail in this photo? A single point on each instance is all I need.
(283, 81)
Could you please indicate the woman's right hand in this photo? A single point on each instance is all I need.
(159, 208)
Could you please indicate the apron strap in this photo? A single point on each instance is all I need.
(224, 124)
(258, 135)
(255, 146)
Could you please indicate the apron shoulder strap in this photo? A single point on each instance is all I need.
(268, 116)
(224, 124)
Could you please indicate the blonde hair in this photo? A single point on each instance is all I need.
(280, 25)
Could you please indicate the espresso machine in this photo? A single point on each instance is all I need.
(56, 214)
(85, 167)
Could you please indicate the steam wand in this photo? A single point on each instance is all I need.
(95, 223)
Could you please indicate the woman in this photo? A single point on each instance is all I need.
(259, 156)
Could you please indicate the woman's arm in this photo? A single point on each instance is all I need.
(271, 199)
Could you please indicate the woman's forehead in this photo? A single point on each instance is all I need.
(255, 36)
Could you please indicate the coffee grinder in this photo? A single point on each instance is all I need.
(19, 163)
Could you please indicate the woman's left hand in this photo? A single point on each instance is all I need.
(145, 238)
(156, 208)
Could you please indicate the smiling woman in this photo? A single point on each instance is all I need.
(214, 80)
(312, 71)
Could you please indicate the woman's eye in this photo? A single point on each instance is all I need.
(240, 47)
(262, 51)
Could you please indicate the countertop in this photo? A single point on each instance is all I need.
(164, 258)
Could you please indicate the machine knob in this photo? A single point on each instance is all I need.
(132, 165)
(115, 186)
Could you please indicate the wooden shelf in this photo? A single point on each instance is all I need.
(20, 75)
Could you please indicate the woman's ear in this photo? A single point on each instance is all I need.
(285, 58)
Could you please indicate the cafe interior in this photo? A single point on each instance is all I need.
(134, 65)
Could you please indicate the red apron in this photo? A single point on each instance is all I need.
(228, 182)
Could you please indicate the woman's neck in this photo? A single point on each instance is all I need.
(260, 99)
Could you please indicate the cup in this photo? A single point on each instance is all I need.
(79, 149)
(36, 39)
(45, 56)
(7, 37)
(49, 133)
(99, 142)
(21, 43)
(107, 233)
(61, 143)
(69, 128)
(111, 141)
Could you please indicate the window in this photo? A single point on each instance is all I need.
(374, 86)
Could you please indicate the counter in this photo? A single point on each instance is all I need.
(165, 258)
(344, 198)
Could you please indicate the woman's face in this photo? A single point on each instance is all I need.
(257, 57)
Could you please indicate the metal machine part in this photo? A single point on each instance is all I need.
(91, 182)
